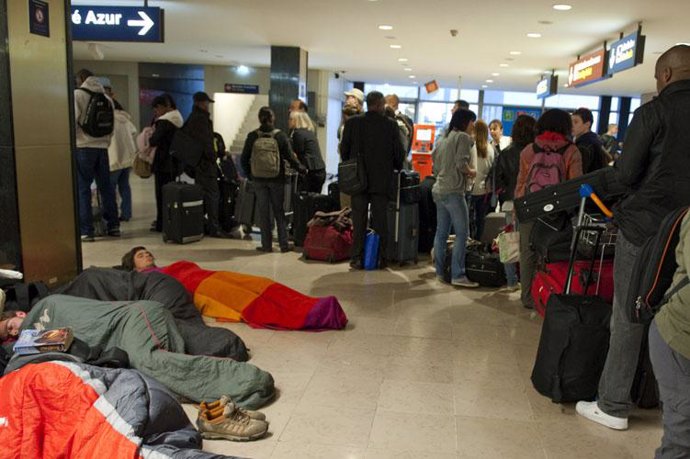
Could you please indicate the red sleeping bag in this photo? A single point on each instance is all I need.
(552, 280)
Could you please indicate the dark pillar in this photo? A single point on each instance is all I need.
(604, 112)
(38, 224)
(623, 115)
(359, 85)
(288, 80)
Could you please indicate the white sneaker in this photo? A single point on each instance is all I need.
(591, 411)
(464, 282)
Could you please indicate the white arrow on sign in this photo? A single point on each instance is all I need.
(146, 23)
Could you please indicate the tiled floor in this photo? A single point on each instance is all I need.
(422, 371)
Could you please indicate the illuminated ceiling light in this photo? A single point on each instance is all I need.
(396, 46)
(385, 27)
(503, 65)
(533, 35)
(389, 37)
(489, 81)
(495, 74)
(242, 70)
(562, 7)
(485, 86)
(515, 53)
(411, 76)
(402, 59)
(407, 69)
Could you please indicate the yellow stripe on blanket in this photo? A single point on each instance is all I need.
(226, 294)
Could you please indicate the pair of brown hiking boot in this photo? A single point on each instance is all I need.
(223, 419)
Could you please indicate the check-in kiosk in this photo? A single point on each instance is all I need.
(422, 144)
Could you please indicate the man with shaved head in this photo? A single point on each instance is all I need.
(655, 167)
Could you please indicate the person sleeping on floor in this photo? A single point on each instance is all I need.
(230, 296)
(147, 332)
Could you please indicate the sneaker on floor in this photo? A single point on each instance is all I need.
(225, 406)
(511, 288)
(591, 411)
(441, 279)
(264, 249)
(236, 426)
(87, 238)
(464, 282)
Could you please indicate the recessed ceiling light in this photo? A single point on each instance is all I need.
(411, 76)
(503, 65)
(385, 27)
(489, 81)
(515, 53)
(562, 7)
(396, 46)
(495, 74)
(533, 35)
(509, 59)
(485, 86)
(408, 69)
(544, 22)
(389, 37)
(402, 59)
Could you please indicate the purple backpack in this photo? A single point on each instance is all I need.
(547, 168)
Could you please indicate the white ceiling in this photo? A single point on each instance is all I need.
(343, 35)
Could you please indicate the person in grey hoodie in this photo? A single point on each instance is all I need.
(165, 167)
(121, 153)
(451, 159)
(92, 163)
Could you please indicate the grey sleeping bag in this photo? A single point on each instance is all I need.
(108, 284)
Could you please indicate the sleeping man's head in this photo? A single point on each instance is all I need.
(138, 259)
(10, 323)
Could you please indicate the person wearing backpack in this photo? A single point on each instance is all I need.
(94, 121)
(594, 156)
(265, 152)
(549, 160)
(655, 168)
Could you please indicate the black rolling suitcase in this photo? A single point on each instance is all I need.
(566, 196)
(574, 340)
(484, 267)
(403, 225)
(183, 213)
(427, 215)
(409, 187)
(228, 188)
(246, 203)
(306, 205)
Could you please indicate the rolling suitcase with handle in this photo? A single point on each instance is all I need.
(183, 213)
(403, 229)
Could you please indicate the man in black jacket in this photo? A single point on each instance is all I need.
(375, 137)
(655, 166)
(593, 154)
(200, 127)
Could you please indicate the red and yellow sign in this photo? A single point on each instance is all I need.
(587, 69)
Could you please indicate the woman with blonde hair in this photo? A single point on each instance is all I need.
(481, 194)
(306, 147)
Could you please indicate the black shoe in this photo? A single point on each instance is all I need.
(528, 306)
(123, 219)
(221, 235)
(356, 264)
(263, 249)
(383, 264)
(115, 232)
(285, 249)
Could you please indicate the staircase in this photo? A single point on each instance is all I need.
(250, 123)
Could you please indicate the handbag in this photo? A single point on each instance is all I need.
(141, 167)
(509, 246)
(352, 177)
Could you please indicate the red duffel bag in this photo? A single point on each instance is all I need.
(552, 280)
(326, 243)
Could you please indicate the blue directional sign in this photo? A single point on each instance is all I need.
(117, 23)
(626, 53)
(547, 86)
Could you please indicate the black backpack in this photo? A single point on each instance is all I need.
(98, 120)
(654, 269)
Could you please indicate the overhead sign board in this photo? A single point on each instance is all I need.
(547, 86)
(117, 23)
(587, 69)
(242, 88)
(626, 53)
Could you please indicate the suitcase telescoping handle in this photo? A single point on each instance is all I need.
(397, 208)
(573, 245)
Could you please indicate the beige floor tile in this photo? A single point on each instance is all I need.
(342, 391)
(492, 399)
(497, 438)
(374, 453)
(259, 449)
(416, 397)
(297, 449)
(367, 366)
(414, 370)
(436, 329)
(413, 432)
(326, 425)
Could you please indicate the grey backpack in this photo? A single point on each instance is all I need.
(265, 159)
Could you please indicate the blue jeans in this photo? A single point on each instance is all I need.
(92, 163)
(451, 210)
(119, 179)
